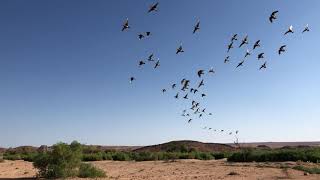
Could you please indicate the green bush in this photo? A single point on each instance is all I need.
(120, 156)
(89, 171)
(62, 162)
(93, 157)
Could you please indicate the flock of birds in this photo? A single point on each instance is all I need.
(189, 92)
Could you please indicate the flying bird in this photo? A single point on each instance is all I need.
(196, 27)
(189, 121)
(157, 64)
(125, 25)
(186, 96)
(203, 95)
(210, 114)
(203, 110)
(150, 58)
(256, 44)
(211, 70)
(247, 53)
(260, 56)
(200, 72)
(176, 96)
(230, 46)
(240, 64)
(195, 90)
(148, 33)
(273, 16)
(132, 79)
(153, 7)
(201, 84)
(164, 90)
(141, 63)
(234, 37)
(306, 29)
(282, 49)
(263, 66)
(244, 41)
(226, 59)
(200, 115)
(179, 49)
(140, 36)
(290, 30)
(173, 86)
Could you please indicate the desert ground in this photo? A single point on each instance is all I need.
(180, 169)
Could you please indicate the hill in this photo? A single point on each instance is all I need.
(186, 145)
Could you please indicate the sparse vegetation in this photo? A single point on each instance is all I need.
(89, 171)
(313, 170)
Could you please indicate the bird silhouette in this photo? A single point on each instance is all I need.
(196, 27)
(141, 63)
(226, 59)
(210, 114)
(164, 90)
(263, 66)
(173, 86)
(140, 36)
(211, 70)
(234, 37)
(125, 25)
(176, 96)
(148, 33)
(150, 58)
(282, 49)
(306, 29)
(195, 90)
(204, 110)
(256, 44)
(200, 115)
(132, 79)
(200, 72)
(290, 30)
(179, 49)
(153, 7)
(247, 53)
(260, 56)
(230, 46)
(240, 64)
(237, 131)
(157, 64)
(244, 41)
(201, 83)
(203, 95)
(273, 16)
(186, 96)
(189, 121)
(230, 133)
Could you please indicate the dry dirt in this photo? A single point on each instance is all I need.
(181, 169)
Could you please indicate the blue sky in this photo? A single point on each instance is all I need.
(65, 67)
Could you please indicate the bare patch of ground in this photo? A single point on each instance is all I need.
(181, 169)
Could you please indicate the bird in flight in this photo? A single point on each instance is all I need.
(230, 46)
(210, 114)
(226, 59)
(125, 25)
(256, 44)
(186, 96)
(273, 16)
(176, 96)
(196, 27)
(290, 30)
(247, 53)
(164, 90)
(148, 33)
(201, 84)
(173, 86)
(140, 36)
(244, 41)
(179, 49)
(141, 63)
(203, 95)
(211, 70)
(189, 121)
(132, 79)
(240, 64)
(282, 49)
(157, 64)
(306, 29)
(153, 7)
(150, 58)
(234, 37)
(263, 66)
(200, 72)
(260, 56)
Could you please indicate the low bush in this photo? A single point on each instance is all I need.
(89, 171)
(313, 170)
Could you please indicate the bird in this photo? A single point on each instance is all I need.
(140, 36)
(150, 58)
(247, 53)
(201, 84)
(141, 63)
(273, 16)
(200, 115)
(306, 29)
(203, 95)
(256, 44)
(164, 90)
(186, 96)
(221, 130)
(132, 79)
(240, 64)
(237, 131)
(210, 128)
(244, 41)
(200, 72)
(125, 25)
(260, 56)
(210, 114)
(263, 66)
(196, 27)
(290, 30)
(203, 110)
(183, 81)
(153, 7)
(211, 70)
(157, 64)
(230, 133)
(234, 37)
(189, 121)
(226, 59)
(148, 33)
(195, 90)
(173, 86)
(185, 85)
(282, 49)
(179, 49)
(230, 46)
(176, 96)
(191, 90)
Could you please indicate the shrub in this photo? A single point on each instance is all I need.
(93, 157)
(89, 171)
(313, 170)
(120, 156)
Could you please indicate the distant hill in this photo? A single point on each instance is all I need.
(281, 144)
(186, 145)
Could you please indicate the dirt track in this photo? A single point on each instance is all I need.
(182, 169)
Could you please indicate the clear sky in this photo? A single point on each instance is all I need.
(65, 68)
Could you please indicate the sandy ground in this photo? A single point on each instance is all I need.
(181, 169)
